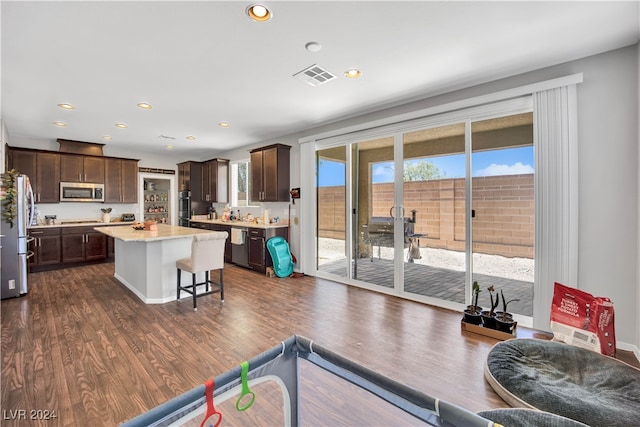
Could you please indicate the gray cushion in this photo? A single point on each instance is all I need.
(517, 417)
(565, 380)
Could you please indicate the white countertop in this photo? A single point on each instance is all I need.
(203, 219)
(164, 232)
(73, 223)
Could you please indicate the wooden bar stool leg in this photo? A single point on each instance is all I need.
(193, 276)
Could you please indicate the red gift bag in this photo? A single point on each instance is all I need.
(578, 318)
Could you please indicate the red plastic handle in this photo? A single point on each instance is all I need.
(211, 409)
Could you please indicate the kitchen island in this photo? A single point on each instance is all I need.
(145, 261)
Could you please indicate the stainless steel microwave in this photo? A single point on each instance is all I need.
(81, 192)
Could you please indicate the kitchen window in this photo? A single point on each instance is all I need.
(240, 183)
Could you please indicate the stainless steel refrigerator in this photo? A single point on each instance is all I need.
(15, 241)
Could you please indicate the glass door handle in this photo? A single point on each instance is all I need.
(391, 211)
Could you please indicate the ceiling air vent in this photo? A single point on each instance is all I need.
(314, 75)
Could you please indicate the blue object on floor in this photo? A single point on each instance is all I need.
(281, 256)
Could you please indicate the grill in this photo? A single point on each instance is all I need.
(379, 232)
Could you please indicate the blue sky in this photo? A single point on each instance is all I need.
(485, 163)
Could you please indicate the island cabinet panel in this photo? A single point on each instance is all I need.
(121, 181)
(43, 170)
(270, 173)
(79, 168)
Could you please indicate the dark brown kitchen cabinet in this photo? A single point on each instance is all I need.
(270, 173)
(43, 170)
(121, 180)
(227, 244)
(79, 168)
(111, 247)
(256, 249)
(190, 179)
(215, 178)
(259, 257)
(83, 244)
(46, 247)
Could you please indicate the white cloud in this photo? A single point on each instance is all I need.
(383, 173)
(495, 169)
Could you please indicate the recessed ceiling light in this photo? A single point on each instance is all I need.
(121, 125)
(169, 147)
(353, 73)
(145, 106)
(313, 46)
(106, 138)
(191, 137)
(60, 124)
(66, 106)
(258, 13)
(224, 124)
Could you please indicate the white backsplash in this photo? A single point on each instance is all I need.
(76, 210)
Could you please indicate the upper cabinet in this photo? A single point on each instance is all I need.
(270, 173)
(215, 179)
(79, 168)
(43, 170)
(121, 180)
(190, 178)
(46, 169)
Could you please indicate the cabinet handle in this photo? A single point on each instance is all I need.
(85, 177)
(79, 177)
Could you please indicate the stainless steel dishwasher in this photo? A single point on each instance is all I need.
(239, 246)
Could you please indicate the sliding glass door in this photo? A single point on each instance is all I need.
(503, 209)
(423, 211)
(433, 182)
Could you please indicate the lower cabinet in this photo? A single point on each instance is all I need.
(83, 244)
(217, 227)
(257, 238)
(259, 257)
(227, 243)
(46, 247)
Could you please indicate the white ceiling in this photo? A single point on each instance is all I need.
(199, 63)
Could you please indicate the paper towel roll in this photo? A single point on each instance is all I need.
(265, 216)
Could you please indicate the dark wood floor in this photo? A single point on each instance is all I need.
(82, 345)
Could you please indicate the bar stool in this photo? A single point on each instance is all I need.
(207, 253)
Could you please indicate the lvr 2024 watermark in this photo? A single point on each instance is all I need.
(31, 414)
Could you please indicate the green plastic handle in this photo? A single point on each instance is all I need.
(244, 366)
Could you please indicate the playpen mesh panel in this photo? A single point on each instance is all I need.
(300, 383)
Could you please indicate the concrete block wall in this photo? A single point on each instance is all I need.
(504, 207)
